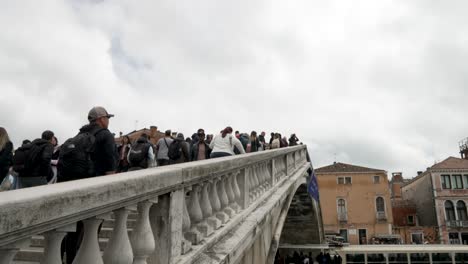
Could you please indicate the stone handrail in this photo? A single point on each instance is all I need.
(218, 189)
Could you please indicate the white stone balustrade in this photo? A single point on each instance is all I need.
(220, 191)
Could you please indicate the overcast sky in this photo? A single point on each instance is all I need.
(381, 84)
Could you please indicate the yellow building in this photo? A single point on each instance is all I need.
(355, 203)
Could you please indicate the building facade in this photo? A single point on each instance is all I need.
(406, 219)
(355, 202)
(441, 195)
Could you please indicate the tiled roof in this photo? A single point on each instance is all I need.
(343, 167)
(451, 163)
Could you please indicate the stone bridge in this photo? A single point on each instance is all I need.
(225, 210)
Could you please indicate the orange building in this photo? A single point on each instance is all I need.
(153, 134)
(355, 203)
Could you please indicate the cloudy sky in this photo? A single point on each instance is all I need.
(373, 83)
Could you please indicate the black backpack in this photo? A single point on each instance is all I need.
(75, 159)
(138, 156)
(175, 150)
(26, 158)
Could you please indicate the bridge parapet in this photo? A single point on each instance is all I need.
(181, 209)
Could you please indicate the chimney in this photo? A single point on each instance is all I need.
(396, 182)
(419, 173)
(153, 131)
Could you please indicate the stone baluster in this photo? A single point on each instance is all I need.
(89, 250)
(142, 238)
(196, 216)
(272, 171)
(236, 189)
(251, 183)
(215, 198)
(253, 177)
(186, 244)
(258, 178)
(224, 198)
(8, 252)
(231, 193)
(263, 177)
(207, 208)
(266, 172)
(119, 249)
(52, 253)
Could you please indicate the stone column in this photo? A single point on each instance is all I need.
(8, 252)
(89, 251)
(196, 216)
(244, 187)
(229, 196)
(119, 249)
(142, 238)
(52, 253)
(207, 209)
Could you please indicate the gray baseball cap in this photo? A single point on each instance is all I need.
(97, 112)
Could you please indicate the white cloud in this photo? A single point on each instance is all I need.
(378, 83)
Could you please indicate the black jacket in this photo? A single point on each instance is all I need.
(6, 156)
(104, 156)
(194, 151)
(42, 167)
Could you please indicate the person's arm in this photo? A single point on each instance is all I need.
(109, 162)
(212, 142)
(151, 154)
(238, 144)
(6, 155)
(128, 155)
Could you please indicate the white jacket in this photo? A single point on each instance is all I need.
(226, 144)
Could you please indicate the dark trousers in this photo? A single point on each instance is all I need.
(219, 154)
(162, 162)
(26, 182)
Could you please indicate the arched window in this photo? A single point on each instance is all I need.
(380, 204)
(449, 211)
(341, 206)
(461, 211)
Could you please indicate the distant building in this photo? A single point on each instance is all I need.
(152, 132)
(405, 216)
(355, 203)
(440, 195)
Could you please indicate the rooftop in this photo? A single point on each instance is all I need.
(451, 163)
(343, 167)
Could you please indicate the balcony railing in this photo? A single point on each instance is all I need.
(343, 217)
(456, 223)
(381, 216)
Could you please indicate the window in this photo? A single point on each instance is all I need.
(380, 204)
(461, 211)
(344, 234)
(465, 177)
(454, 238)
(416, 238)
(457, 181)
(446, 182)
(344, 180)
(449, 211)
(410, 219)
(341, 206)
(376, 179)
(347, 180)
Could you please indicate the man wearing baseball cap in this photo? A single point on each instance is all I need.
(104, 160)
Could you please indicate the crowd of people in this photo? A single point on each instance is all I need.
(93, 152)
(301, 258)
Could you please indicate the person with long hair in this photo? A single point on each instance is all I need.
(6, 153)
(123, 150)
(254, 142)
(223, 144)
